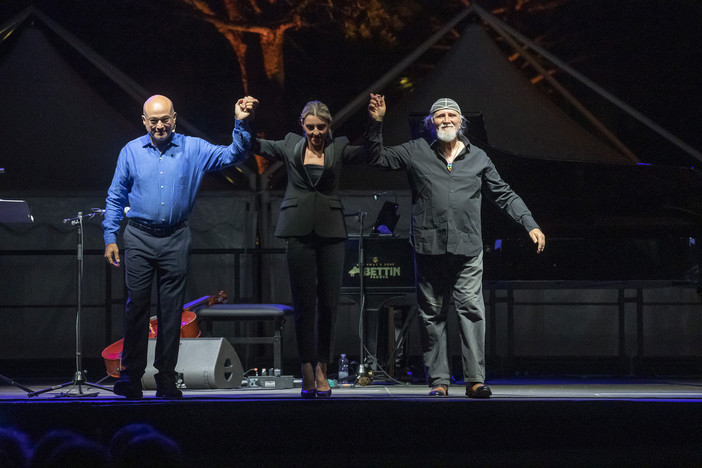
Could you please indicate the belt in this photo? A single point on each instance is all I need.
(157, 231)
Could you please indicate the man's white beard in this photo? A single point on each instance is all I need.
(446, 135)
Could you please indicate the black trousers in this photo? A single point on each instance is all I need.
(165, 259)
(316, 266)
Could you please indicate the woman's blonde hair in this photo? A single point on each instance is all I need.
(317, 109)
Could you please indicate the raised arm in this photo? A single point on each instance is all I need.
(391, 157)
(245, 107)
(376, 107)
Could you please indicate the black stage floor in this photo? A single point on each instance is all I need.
(538, 422)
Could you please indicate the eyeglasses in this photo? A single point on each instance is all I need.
(320, 127)
(164, 120)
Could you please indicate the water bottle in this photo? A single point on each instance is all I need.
(343, 367)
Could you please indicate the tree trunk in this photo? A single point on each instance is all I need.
(236, 39)
(272, 49)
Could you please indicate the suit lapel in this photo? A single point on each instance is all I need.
(300, 161)
(299, 153)
(328, 160)
(329, 156)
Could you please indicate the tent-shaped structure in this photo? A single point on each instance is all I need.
(518, 117)
(61, 132)
(66, 111)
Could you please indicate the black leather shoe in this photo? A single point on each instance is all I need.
(308, 394)
(481, 391)
(168, 391)
(439, 390)
(128, 389)
(324, 393)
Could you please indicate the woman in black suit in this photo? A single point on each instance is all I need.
(312, 222)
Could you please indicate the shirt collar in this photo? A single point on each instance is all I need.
(176, 140)
(434, 144)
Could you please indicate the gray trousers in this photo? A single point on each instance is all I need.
(440, 277)
(166, 259)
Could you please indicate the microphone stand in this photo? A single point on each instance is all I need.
(16, 384)
(361, 376)
(79, 377)
(362, 298)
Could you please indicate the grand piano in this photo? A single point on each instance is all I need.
(631, 229)
(602, 221)
(619, 231)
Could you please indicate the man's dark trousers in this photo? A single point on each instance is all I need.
(165, 259)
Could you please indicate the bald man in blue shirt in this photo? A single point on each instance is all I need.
(157, 177)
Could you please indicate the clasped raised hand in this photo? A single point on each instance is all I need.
(245, 107)
(376, 107)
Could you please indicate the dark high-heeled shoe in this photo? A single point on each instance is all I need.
(307, 372)
(321, 380)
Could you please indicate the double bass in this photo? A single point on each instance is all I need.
(112, 355)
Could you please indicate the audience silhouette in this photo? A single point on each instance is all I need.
(133, 445)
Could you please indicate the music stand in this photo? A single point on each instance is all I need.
(78, 378)
(387, 220)
(14, 211)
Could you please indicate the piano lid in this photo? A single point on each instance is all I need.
(603, 222)
(569, 198)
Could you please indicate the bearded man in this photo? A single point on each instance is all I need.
(447, 178)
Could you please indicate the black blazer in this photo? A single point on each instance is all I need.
(308, 207)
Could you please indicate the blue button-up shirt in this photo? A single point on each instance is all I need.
(160, 188)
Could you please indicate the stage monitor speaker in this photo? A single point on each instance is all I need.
(202, 363)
